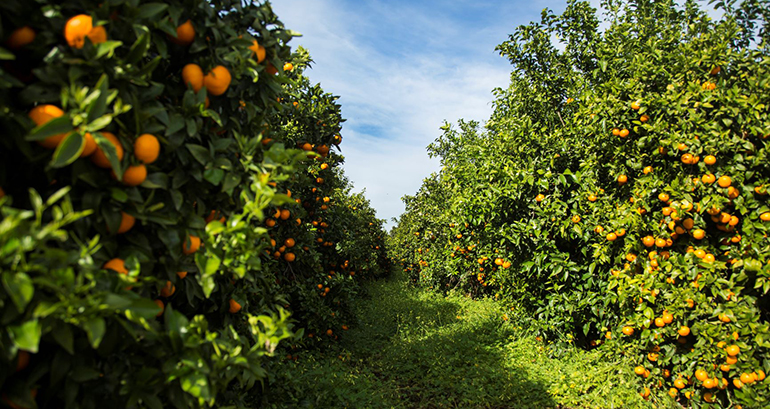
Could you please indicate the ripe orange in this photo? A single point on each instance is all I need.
(710, 160)
(663, 197)
(615, 131)
(100, 159)
(289, 257)
(117, 265)
(622, 179)
(234, 306)
(135, 175)
(539, 198)
(684, 331)
(192, 74)
(191, 245)
(612, 237)
(576, 218)
(620, 232)
(623, 133)
(181, 274)
(679, 383)
(708, 258)
(77, 28)
(628, 330)
(698, 234)
(668, 318)
(737, 383)
(288, 66)
(710, 383)
(746, 378)
(647, 170)
(672, 392)
(97, 35)
(146, 148)
(701, 375)
(708, 178)
(724, 181)
(644, 118)
(659, 322)
(258, 51)
(591, 198)
(324, 166)
(126, 222)
(636, 105)
(161, 306)
(217, 80)
(185, 34)
(733, 350)
(41, 114)
(168, 290)
(765, 217)
(20, 37)
(648, 241)
(639, 370)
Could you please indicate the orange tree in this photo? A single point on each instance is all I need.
(618, 193)
(137, 173)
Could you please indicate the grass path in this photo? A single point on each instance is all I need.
(416, 349)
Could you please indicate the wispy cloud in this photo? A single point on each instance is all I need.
(401, 69)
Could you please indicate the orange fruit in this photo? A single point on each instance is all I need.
(724, 181)
(737, 383)
(747, 378)
(324, 166)
(701, 375)
(168, 290)
(185, 34)
(668, 318)
(684, 331)
(644, 118)
(615, 131)
(217, 80)
(135, 175)
(97, 35)
(117, 265)
(663, 197)
(89, 147)
(708, 178)
(708, 258)
(161, 306)
(576, 218)
(733, 350)
(620, 232)
(146, 148)
(234, 306)
(647, 169)
(710, 160)
(100, 159)
(639, 370)
(126, 222)
(181, 274)
(698, 234)
(628, 330)
(612, 237)
(623, 133)
(710, 383)
(760, 375)
(77, 28)
(659, 322)
(622, 179)
(20, 37)
(660, 242)
(679, 383)
(258, 51)
(192, 75)
(41, 114)
(191, 245)
(289, 242)
(285, 214)
(539, 198)
(636, 105)
(765, 217)
(648, 241)
(289, 257)
(672, 392)
(288, 66)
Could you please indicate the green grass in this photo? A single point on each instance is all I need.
(414, 348)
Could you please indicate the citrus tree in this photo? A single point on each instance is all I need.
(145, 148)
(618, 193)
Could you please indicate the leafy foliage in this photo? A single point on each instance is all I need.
(620, 182)
(146, 276)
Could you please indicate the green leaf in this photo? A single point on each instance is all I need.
(214, 176)
(68, 150)
(150, 10)
(20, 288)
(98, 106)
(95, 328)
(62, 333)
(6, 55)
(27, 335)
(144, 307)
(196, 385)
(200, 153)
(53, 127)
(140, 47)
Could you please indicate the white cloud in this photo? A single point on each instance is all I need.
(400, 72)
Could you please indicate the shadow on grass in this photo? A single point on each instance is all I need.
(415, 349)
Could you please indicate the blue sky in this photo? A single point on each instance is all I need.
(401, 68)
